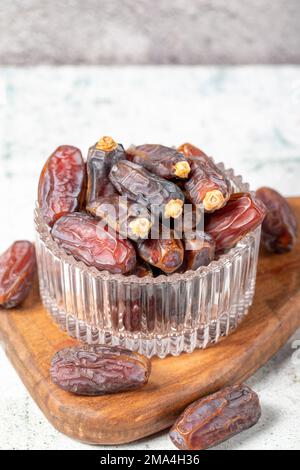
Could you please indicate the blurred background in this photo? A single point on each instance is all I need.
(223, 74)
(149, 32)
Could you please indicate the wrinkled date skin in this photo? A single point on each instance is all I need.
(138, 184)
(242, 214)
(199, 250)
(128, 218)
(279, 229)
(17, 269)
(101, 157)
(207, 184)
(216, 418)
(164, 254)
(62, 183)
(83, 237)
(105, 189)
(99, 370)
(163, 161)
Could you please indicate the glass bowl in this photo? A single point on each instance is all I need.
(154, 316)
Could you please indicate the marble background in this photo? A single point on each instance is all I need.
(248, 117)
(147, 31)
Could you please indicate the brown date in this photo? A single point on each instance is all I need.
(17, 269)
(192, 218)
(163, 161)
(142, 269)
(128, 218)
(207, 184)
(107, 190)
(87, 240)
(199, 250)
(164, 254)
(134, 311)
(279, 228)
(163, 197)
(190, 151)
(99, 370)
(242, 214)
(216, 418)
(101, 157)
(62, 183)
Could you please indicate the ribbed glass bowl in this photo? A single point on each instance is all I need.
(155, 316)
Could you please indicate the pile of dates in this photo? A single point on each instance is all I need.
(147, 210)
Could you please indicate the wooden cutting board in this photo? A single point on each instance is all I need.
(30, 339)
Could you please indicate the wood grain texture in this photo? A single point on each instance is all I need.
(30, 339)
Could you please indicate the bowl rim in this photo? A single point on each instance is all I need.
(43, 232)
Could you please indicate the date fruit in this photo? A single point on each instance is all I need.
(199, 250)
(242, 214)
(128, 218)
(162, 197)
(62, 183)
(163, 161)
(216, 418)
(279, 228)
(165, 254)
(207, 184)
(17, 269)
(99, 370)
(85, 238)
(101, 157)
(190, 151)
(193, 217)
(141, 269)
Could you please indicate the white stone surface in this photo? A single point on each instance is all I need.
(248, 117)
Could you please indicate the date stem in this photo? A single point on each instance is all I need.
(106, 143)
(140, 227)
(182, 169)
(213, 200)
(174, 208)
